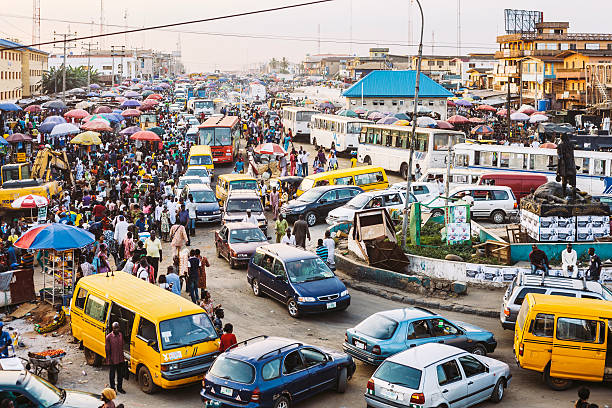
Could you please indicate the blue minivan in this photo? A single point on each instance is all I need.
(297, 278)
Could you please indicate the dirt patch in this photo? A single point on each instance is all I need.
(43, 314)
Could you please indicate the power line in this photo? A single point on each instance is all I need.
(204, 20)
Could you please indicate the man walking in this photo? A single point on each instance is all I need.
(594, 266)
(301, 232)
(154, 251)
(114, 357)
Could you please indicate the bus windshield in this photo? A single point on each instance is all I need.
(354, 128)
(203, 104)
(304, 116)
(223, 137)
(200, 160)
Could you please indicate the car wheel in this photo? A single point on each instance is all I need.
(311, 219)
(404, 171)
(91, 358)
(479, 350)
(498, 217)
(282, 402)
(557, 384)
(292, 308)
(342, 381)
(146, 381)
(256, 288)
(498, 391)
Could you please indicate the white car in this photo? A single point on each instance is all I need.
(389, 199)
(424, 192)
(184, 180)
(175, 107)
(437, 375)
(494, 202)
(198, 171)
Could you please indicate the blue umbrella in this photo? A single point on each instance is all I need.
(117, 111)
(109, 94)
(55, 119)
(157, 88)
(46, 127)
(113, 117)
(92, 94)
(130, 103)
(9, 107)
(64, 129)
(3, 141)
(95, 86)
(60, 237)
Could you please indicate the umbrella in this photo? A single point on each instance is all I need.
(270, 148)
(3, 141)
(92, 94)
(56, 104)
(108, 94)
(442, 124)
(131, 94)
(95, 86)
(423, 110)
(100, 117)
(548, 145)
(84, 105)
(486, 108)
(326, 105)
(477, 120)
(457, 120)
(18, 137)
(482, 130)
(503, 112)
(425, 121)
(64, 129)
(9, 107)
(30, 201)
(519, 117)
(97, 126)
(374, 115)
(130, 103)
(388, 120)
(60, 237)
(130, 131)
(450, 104)
(155, 96)
(129, 113)
(146, 94)
(359, 111)
(402, 116)
(402, 122)
(87, 138)
(348, 113)
(113, 117)
(76, 91)
(463, 102)
(102, 109)
(76, 114)
(536, 118)
(527, 109)
(157, 130)
(145, 135)
(33, 108)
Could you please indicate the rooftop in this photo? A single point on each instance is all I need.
(9, 44)
(396, 84)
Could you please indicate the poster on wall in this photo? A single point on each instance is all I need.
(458, 226)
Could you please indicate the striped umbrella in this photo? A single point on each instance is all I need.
(482, 130)
(30, 201)
(270, 148)
(60, 237)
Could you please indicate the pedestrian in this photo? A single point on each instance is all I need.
(121, 229)
(173, 280)
(107, 397)
(538, 260)
(280, 226)
(417, 172)
(128, 245)
(165, 223)
(292, 160)
(250, 218)
(305, 156)
(595, 265)
(5, 342)
(193, 274)
(288, 238)
(191, 209)
(330, 244)
(583, 398)
(153, 246)
(274, 202)
(202, 276)
(207, 304)
(183, 218)
(569, 262)
(114, 357)
(228, 338)
(178, 236)
(301, 232)
(143, 271)
(321, 250)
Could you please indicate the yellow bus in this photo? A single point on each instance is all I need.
(565, 338)
(201, 155)
(169, 341)
(234, 181)
(366, 177)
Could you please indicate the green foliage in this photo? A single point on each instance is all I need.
(76, 77)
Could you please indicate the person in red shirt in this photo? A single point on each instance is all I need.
(99, 211)
(228, 338)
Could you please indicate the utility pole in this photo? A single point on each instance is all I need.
(35, 21)
(66, 37)
(89, 45)
(458, 28)
(117, 51)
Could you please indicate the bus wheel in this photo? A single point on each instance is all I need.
(404, 171)
(557, 384)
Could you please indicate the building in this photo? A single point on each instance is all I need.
(377, 59)
(477, 70)
(329, 66)
(393, 91)
(21, 71)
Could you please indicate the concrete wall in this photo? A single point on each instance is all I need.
(520, 252)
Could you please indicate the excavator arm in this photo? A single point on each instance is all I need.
(48, 159)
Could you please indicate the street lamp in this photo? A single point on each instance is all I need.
(411, 136)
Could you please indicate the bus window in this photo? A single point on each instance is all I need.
(223, 137)
(206, 136)
(487, 159)
(517, 161)
(538, 162)
(422, 142)
(304, 116)
(345, 181)
(462, 160)
(377, 136)
(599, 168)
(400, 139)
(386, 139)
(584, 168)
(440, 141)
(353, 128)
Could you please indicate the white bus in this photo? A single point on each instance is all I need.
(593, 176)
(297, 119)
(387, 146)
(339, 132)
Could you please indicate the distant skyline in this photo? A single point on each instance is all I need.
(291, 33)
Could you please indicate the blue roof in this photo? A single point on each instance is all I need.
(396, 84)
(10, 44)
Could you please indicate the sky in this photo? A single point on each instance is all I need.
(343, 26)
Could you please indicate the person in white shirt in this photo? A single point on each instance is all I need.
(331, 248)
(569, 261)
(250, 218)
(191, 207)
(121, 229)
(288, 238)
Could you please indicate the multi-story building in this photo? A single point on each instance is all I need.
(325, 65)
(20, 71)
(377, 59)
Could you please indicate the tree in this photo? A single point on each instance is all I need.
(75, 78)
(284, 64)
(273, 64)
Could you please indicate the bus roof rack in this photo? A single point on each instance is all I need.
(278, 350)
(562, 282)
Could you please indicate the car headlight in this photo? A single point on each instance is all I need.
(217, 212)
(344, 293)
(306, 299)
(297, 209)
(172, 367)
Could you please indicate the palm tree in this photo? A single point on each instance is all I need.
(284, 64)
(76, 77)
(273, 63)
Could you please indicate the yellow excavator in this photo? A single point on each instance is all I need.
(49, 172)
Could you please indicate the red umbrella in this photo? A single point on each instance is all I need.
(103, 109)
(502, 112)
(76, 114)
(18, 137)
(457, 120)
(451, 104)
(155, 96)
(486, 108)
(477, 120)
(270, 148)
(548, 145)
(30, 201)
(96, 126)
(442, 124)
(33, 108)
(129, 113)
(482, 130)
(145, 135)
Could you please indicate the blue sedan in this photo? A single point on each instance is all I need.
(386, 333)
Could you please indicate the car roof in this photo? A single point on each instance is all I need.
(560, 282)
(288, 252)
(407, 313)
(199, 187)
(479, 187)
(323, 189)
(189, 178)
(242, 193)
(253, 351)
(241, 225)
(425, 355)
(236, 176)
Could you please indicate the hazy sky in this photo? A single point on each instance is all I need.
(374, 23)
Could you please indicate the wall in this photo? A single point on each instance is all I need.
(10, 76)
(520, 252)
(437, 105)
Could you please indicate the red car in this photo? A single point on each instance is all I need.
(237, 242)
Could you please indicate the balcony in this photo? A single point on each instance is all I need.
(570, 73)
(576, 96)
(554, 37)
(503, 54)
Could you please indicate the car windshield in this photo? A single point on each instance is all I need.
(306, 270)
(183, 182)
(306, 184)
(204, 196)
(241, 205)
(358, 202)
(309, 196)
(232, 370)
(240, 236)
(200, 160)
(377, 326)
(46, 394)
(201, 172)
(243, 185)
(399, 374)
(186, 330)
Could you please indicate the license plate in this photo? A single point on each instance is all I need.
(227, 391)
(331, 305)
(360, 345)
(391, 394)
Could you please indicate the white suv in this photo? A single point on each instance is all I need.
(389, 199)
(437, 375)
(495, 202)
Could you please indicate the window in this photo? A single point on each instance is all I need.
(345, 181)
(524, 292)
(267, 262)
(271, 370)
(399, 374)
(80, 298)
(312, 357)
(418, 330)
(441, 327)
(593, 46)
(448, 372)
(580, 330)
(543, 325)
(419, 190)
(279, 269)
(392, 199)
(471, 366)
(566, 294)
(293, 363)
(368, 178)
(146, 330)
(327, 197)
(422, 142)
(233, 370)
(394, 102)
(96, 308)
(599, 167)
(499, 195)
(344, 194)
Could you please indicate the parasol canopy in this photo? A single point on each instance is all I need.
(482, 130)
(130, 131)
(76, 114)
(9, 107)
(270, 148)
(64, 129)
(18, 137)
(426, 121)
(60, 237)
(33, 109)
(87, 138)
(56, 104)
(519, 117)
(477, 120)
(537, 118)
(130, 103)
(130, 113)
(457, 120)
(30, 201)
(102, 109)
(146, 136)
(442, 124)
(97, 125)
(488, 108)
